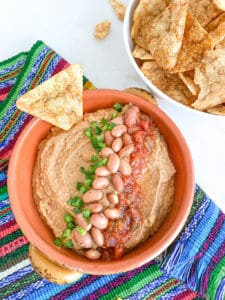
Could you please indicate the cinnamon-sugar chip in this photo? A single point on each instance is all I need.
(220, 45)
(102, 29)
(220, 4)
(170, 84)
(216, 28)
(188, 80)
(195, 41)
(144, 14)
(58, 100)
(204, 10)
(166, 33)
(210, 76)
(119, 8)
(141, 53)
(217, 110)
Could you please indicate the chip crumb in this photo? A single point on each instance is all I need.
(102, 29)
(119, 8)
(141, 53)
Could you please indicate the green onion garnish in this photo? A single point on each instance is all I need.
(88, 132)
(68, 244)
(68, 218)
(86, 213)
(81, 230)
(71, 225)
(58, 242)
(76, 201)
(76, 210)
(66, 233)
(118, 106)
(114, 114)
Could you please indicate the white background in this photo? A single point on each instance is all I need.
(67, 26)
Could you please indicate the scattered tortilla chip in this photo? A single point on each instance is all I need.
(58, 100)
(144, 14)
(166, 33)
(217, 110)
(220, 4)
(119, 8)
(170, 84)
(210, 76)
(141, 53)
(188, 80)
(102, 30)
(204, 11)
(216, 28)
(195, 41)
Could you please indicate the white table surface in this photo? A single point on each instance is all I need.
(67, 26)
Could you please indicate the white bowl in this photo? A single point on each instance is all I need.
(153, 89)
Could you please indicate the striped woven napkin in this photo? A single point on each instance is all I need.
(192, 268)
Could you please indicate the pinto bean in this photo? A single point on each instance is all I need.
(94, 207)
(113, 163)
(108, 138)
(127, 139)
(118, 121)
(117, 182)
(99, 220)
(102, 171)
(84, 241)
(117, 144)
(100, 183)
(112, 213)
(119, 130)
(125, 168)
(82, 222)
(113, 198)
(92, 196)
(127, 150)
(93, 254)
(97, 236)
(130, 116)
(107, 151)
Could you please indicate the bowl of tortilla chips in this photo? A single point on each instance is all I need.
(177, 47)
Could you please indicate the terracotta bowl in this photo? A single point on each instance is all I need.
(39, 234)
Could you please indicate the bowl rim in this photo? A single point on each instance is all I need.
(148, 83)
(126, 263)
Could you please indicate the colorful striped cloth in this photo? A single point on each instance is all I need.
(192, 268)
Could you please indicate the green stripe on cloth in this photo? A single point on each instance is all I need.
(215, 278)
(12, 60)
(14, 257)
(134, 284)
(10, 237)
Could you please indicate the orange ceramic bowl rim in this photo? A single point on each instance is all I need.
(22, 204)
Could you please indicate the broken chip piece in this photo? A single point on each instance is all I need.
(102, 30)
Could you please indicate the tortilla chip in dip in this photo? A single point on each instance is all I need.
(58, 100)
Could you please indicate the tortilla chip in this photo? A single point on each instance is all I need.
(195, 41)
(220, 4)
(144, 14)
(166, 32)
(119, 8)
(168, 83)
(210, 76)
(141, 53)
(216, 28)
(188, 80)
(217, 110)
(220, 45)
(58, 100)
(204, 10)
(102, 30)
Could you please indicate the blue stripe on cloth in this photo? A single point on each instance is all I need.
(16, 276)
(48, 72)
(49, 290)
(220, 294)
(6, 218)
(13, 67)
(27, 83)
(143, 292)
(23, 116)
(29, 289)
(175, 291)
(94, 286)
(4, 203)
(7, 83)
(2, 176)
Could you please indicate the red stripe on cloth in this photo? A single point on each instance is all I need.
(186, 295)
(3, 96)
(12, 246)
(9, 229)
(5, 90)
(62, 64)
(163, 288)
